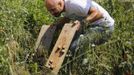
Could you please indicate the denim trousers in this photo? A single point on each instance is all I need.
(91, 35)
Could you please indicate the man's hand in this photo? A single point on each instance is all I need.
(86, 23)
(78, 24)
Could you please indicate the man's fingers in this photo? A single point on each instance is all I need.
(77, 23)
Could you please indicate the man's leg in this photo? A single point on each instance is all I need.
(93, 36)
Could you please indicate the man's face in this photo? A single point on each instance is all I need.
(56, 9)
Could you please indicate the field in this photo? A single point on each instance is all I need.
(21, 20)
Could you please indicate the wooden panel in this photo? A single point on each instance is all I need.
(61, 47)
(45, 36)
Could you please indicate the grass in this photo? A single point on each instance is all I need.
(21, 20)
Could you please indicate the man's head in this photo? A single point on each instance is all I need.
(55, 7)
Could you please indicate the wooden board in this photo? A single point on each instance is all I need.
(45, 36)
(61, 47)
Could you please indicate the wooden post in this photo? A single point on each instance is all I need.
(61, 47)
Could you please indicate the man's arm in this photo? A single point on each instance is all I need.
(94, 15)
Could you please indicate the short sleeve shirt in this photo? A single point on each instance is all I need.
(77, 7)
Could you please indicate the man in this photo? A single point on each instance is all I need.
(96, 25)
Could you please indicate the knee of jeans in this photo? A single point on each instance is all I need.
(112, 28)
(73, 45)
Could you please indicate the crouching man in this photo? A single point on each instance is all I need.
(96, 23)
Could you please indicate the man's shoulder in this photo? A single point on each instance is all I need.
(77, 7)
(77, 1)
(71, 1)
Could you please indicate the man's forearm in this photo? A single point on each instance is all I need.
(91, 17)
(94, 15)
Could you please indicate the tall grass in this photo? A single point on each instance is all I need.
(20, 22)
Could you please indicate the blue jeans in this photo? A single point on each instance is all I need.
(92, 34)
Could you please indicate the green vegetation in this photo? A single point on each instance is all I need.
(21, 20)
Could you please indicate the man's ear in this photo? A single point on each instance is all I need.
(60, 3)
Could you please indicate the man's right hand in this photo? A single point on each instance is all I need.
(78, 24)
